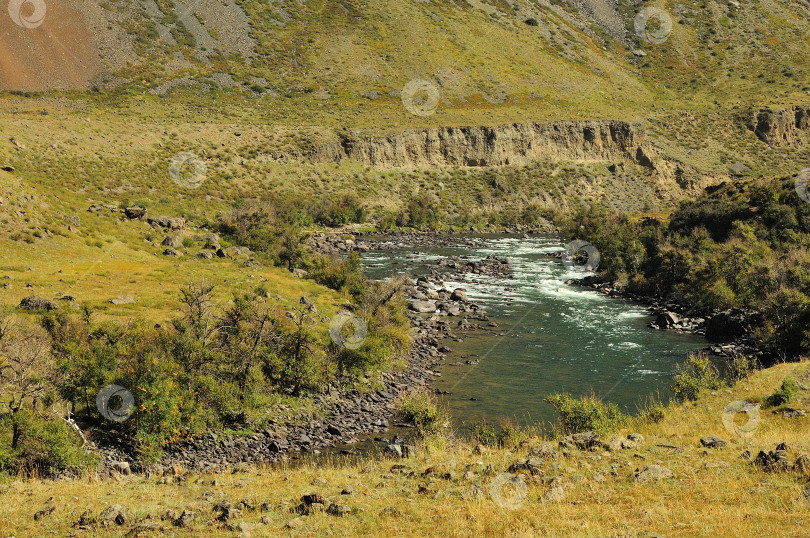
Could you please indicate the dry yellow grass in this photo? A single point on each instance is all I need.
(734, 500)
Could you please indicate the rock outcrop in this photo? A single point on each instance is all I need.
(512, 144)
(781, 127)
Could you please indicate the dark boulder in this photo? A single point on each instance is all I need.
(727, 325)
(35, 302)
(139, 213)
(666, 320)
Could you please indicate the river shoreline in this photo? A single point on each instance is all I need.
(350, 415)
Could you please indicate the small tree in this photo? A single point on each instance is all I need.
(293, 247)
(294, 364)
(86, 356)
(25, 369)
(197, 331)
(248, 333)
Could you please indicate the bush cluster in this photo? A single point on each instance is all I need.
(696, 374)
(422, 410)
(214, 367)
(588, 413)
(739, 246)
(787, 391)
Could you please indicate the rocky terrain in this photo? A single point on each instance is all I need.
(781, 127)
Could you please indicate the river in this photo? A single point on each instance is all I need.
(551, 337)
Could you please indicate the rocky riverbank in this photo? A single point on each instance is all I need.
(348, 415)
(440, 314)
(350, 240)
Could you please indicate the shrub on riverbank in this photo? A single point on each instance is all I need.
(588, 413)
(212, 367)
(651, 410)
(740, 246)
(696, 374)
(423, 411)
(504, 436)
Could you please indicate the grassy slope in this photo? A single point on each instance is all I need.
(108, 256)
(733, 500)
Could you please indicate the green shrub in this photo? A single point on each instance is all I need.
(588, 413)
(386, 222)
(506, 436)
(218, 396)
(787, 391)
(698, 373)
(421, 409)
(165, 410)
(339, 210)
(45, 445)
(8, 460)
(423, 210)
(338, 273)
(652, 410)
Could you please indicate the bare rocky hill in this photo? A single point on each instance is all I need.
(79, 44)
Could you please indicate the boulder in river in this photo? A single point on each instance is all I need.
(459, 295)
(666, 320)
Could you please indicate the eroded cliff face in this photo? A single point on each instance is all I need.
(781, 127)
(513, 144)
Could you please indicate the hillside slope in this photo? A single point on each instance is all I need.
(573, 54)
